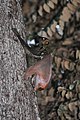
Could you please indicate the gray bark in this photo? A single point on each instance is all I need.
(17, 99)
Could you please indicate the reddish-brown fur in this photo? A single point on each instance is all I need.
(42, 71)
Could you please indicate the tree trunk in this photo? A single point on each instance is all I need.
(17, 99)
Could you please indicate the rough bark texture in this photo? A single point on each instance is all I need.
(17, 100)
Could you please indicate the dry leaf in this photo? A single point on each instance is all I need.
(66, 12)
(67, 116)
(58, 63)
(75, 3)
(43, 34)
(60, 89)
(67, 41)
(53, 26)
(71, 8)
(49, 32)
(51, 91)
(66, 64)
(63, 93)
(51, 4)
(40, 11)
(42, 71)
(55, 1)
(72, 65)
(61, 23)
(71, 106)
(49, 99)
(69, 95)
(46, 8)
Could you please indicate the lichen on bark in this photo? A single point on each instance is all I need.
(17, 100)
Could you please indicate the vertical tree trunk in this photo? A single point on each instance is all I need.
(17, 100)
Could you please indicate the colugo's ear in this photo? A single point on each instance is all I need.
(42, 71)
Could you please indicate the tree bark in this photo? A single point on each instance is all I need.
(17, 99)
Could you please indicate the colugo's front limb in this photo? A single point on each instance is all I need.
(24, 44)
